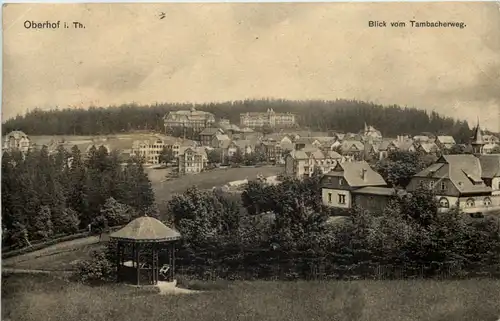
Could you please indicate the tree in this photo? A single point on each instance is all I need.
(399, 167)
(214, 156)
(166, 155)
(114, 213)
(140, 191)
(237, 157)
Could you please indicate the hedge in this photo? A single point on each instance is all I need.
(41, 245)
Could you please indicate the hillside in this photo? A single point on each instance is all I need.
(338, 115)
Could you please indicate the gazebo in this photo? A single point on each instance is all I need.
(138, 246)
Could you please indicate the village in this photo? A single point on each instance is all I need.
(463, 175)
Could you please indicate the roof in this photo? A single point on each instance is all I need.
(404, 145)
(490, 165)
(429, 147)
(192, 114)
(372, 190)
(210, 131)
(198, 150)
(357, 174)
(477, 138)
(446, 139)
(222, 137)
(146, 229)
(464, 171)
(348, 145)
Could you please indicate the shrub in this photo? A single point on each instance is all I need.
(98, 269)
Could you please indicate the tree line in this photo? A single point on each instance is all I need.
(46, 194)
(337, 115)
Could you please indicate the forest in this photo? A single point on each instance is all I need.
(45, 195)
(337, 115)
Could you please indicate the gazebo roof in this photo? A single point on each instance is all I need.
(146, 229)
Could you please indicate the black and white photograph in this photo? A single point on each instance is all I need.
(251, 161)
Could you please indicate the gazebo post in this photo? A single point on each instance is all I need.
(118, 261)
(137, 250)
(173, 260)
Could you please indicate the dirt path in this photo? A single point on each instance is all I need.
(56, 248)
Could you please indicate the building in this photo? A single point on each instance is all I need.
(177, 144)
(220, 141)
(353, 149)
(491, 139)
(371, 134)
(445, 142)
(269, 118)
(208, 134)
(352, 184)
(302, 163)
(16, 140)
(457, 181)
(192, 160)
(192, 119)
(427, 148)
(490, 172)
(149, 149)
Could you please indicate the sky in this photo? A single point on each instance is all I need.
(233, 51)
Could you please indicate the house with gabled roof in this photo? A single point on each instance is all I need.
(207, 134)
(352, 184)
(457, 181)
(220, 141)
(192, 160)
(302, 163)
(445, 142)
(427, 148)
(490, 166)
(352, 148)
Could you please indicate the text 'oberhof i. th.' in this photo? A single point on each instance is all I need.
(30, 24)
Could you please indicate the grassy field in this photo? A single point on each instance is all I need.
(164, 190)
(44, 297)
(56, 260)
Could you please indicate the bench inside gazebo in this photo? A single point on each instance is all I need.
(139, 245)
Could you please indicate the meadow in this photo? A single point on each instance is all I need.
(165, 189)
(46, 297)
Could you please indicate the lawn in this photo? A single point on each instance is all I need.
(56, 260)
(43, 297)
(164, 190)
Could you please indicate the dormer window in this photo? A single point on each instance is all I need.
(443, 186)
(470, 202)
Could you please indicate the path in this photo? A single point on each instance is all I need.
(52, 249)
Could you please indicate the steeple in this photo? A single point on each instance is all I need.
(477, 141)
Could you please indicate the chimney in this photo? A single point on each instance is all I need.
(363, 173)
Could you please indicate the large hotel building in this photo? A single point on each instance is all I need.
(192, 119)
(269, 118)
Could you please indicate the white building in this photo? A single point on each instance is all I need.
(16, 140)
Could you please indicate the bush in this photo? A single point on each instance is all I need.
(98, 269)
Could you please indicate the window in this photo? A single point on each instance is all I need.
(470, 202)
(443, 186)
(487, 201)
(329, 197)
(431, 184)
(341, 181)
(341, 199)
(444, 203)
